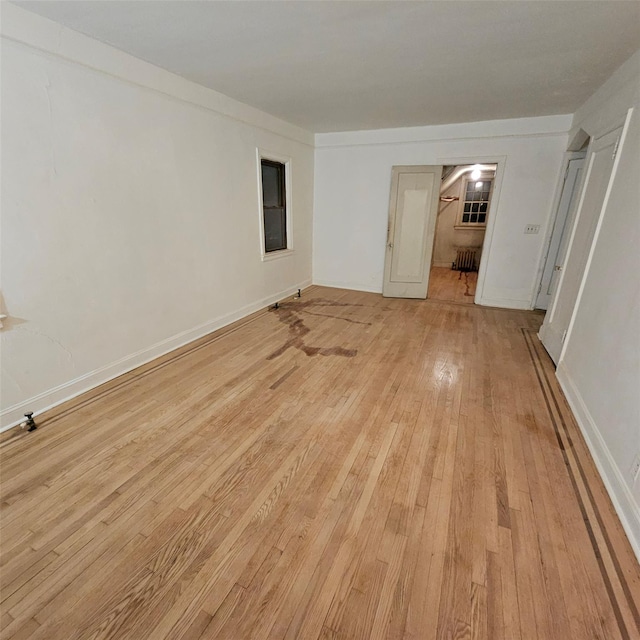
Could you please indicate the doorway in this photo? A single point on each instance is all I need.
(598, 171)
(465, 198)
(563, 223)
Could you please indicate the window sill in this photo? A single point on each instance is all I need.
(275, 255)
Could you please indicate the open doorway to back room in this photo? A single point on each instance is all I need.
(463, 212)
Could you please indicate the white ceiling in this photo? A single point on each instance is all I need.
(343, 65)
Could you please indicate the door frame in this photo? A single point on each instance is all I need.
(551, 222)
(587, 267)
(500, 162)
(549, 334)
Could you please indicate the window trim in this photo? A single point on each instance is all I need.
(458, 224)
(261, 155)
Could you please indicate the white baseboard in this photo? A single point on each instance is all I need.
(347, 285)
(443, 264)
(11, 416)
(626, 506)
(505, 303)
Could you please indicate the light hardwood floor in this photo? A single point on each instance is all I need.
(347, 467)
(453, 286)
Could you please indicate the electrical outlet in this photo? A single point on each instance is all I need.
(635, 468)
(532, 228)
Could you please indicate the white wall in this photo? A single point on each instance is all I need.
(129, 212)
(599, 368)
(352, 183)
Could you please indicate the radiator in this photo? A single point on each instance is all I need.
(465, 260)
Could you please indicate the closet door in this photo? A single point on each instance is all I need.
(598, 175)
(561, 230)
(413, 208)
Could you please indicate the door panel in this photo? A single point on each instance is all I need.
(561, 231)
(412, 215)
(598, 175)
(410, 232)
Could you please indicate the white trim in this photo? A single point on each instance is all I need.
(596, 234)
(503, 303)
(334, 284)
(500, 303)
(550, 222)
(276, 255)
(621, 496)
(589, 159)
(263, 154)
(48, 38)
(535, 127)
(551, 134)
(12, 416)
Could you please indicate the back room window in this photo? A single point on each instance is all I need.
(475, 206)
(274, 205)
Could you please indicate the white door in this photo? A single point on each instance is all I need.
(413, 207)
(560, 234)
(598, 175)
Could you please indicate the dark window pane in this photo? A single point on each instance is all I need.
(474, 217)
(274, 205)
(483, 207)
(275, 229)
(475, 207)
(482, 217)
(465, 217)
(272, 192)
(467, 207)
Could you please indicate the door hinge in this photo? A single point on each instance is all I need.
(615, 149)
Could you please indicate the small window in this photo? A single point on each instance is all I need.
(475, 203)
(274, 205)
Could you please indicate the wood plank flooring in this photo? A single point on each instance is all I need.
(344, 467)
(453, 286)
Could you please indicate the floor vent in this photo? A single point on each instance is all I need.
(465, 260)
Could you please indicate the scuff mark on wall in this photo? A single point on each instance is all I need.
(50, 339)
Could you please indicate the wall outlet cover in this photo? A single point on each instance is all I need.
(532, 228)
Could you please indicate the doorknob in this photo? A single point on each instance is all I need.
(558, 267)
